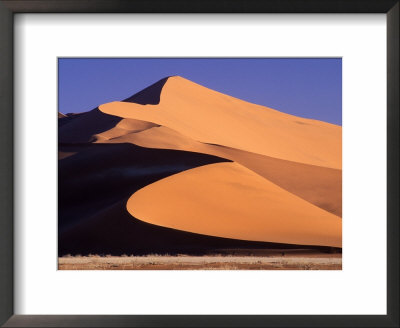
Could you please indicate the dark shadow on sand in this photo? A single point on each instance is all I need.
(150, 95)
(82, 130)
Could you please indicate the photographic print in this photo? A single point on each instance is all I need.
(200, 163)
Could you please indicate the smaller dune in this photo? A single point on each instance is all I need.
(230, 201)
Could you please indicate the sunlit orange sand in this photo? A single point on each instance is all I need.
(255, 174)
(228, 200)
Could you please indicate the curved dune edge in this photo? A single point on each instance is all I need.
(123, 128)
(317, 185)
(211, 117)
(228, 200)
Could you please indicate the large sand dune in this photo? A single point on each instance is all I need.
(211, 117)
(178, 160)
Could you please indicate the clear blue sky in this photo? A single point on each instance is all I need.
(310, 88)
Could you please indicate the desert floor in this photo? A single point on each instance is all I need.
(275, 261)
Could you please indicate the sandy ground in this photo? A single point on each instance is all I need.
(157, 262)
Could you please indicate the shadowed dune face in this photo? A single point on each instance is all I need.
(83, 128)
(181, 168)
(150, 95)
(64, 119)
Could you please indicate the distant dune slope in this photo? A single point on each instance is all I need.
(82, 128)
(179, 167)
(228, 200)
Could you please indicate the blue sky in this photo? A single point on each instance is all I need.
(306, 87)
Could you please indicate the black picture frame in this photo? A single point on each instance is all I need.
(10, 7)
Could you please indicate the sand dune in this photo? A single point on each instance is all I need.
(211, 117)
(228, 200)
(179, 167)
